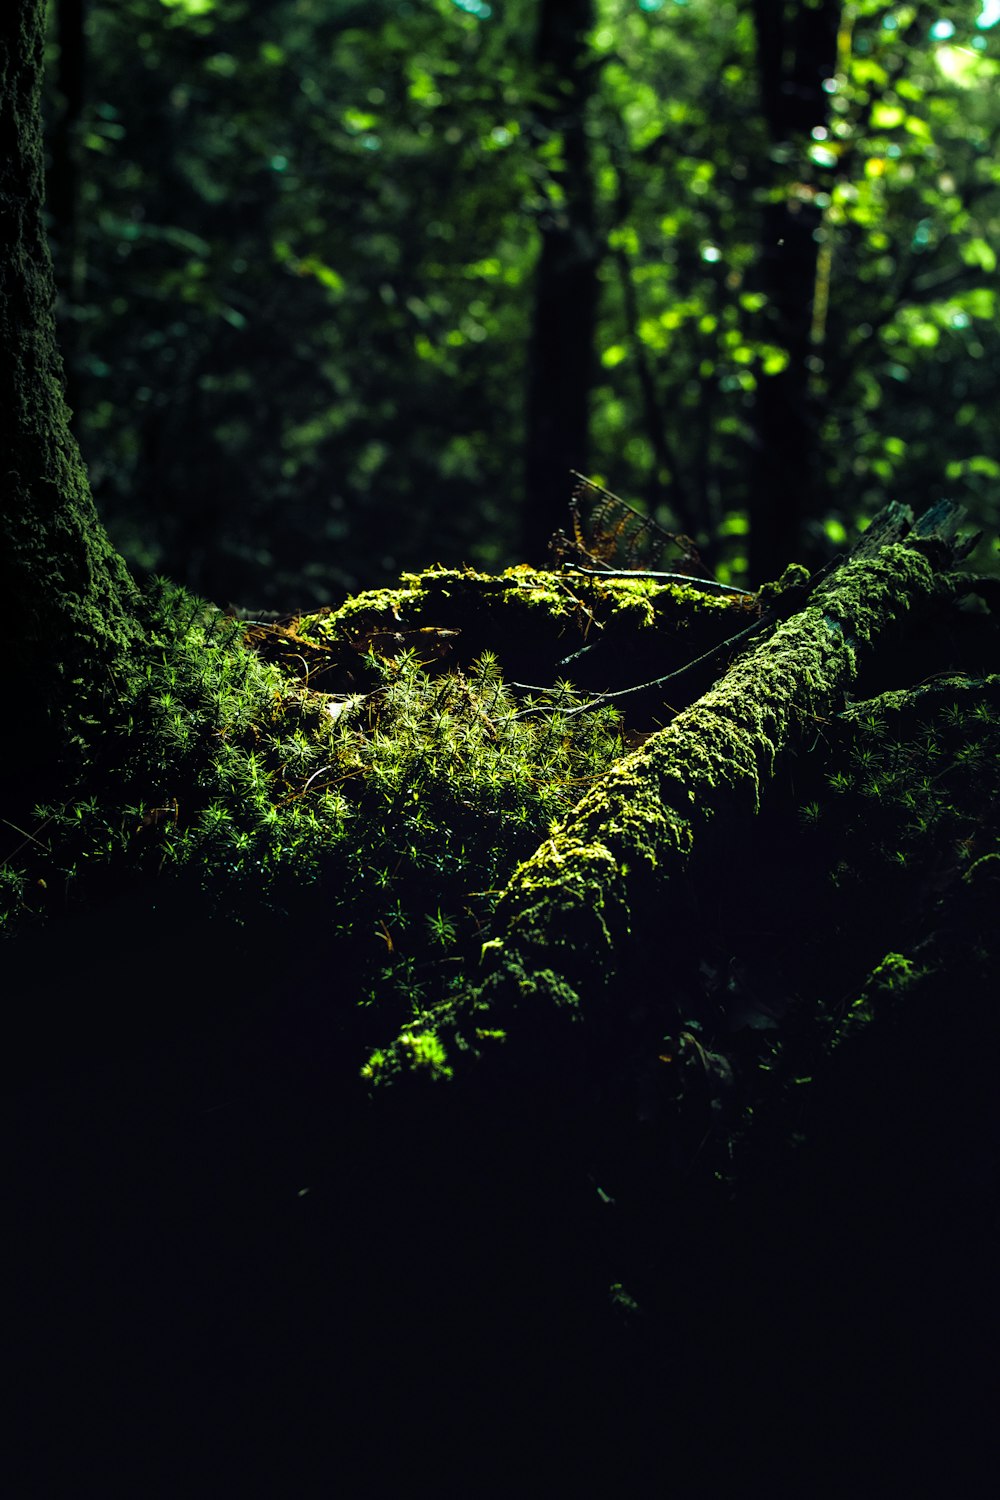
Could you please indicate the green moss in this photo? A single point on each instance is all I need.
(389, 825)
(919, 762)
(425, 1054)
(601, 881)
(890, 979)
(531, 619)
(789, 588)
(433, 812)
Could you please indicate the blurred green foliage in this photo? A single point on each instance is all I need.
(297, 256)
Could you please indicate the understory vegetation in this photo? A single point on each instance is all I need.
(244, 941)
(393, 814)
(366, 794)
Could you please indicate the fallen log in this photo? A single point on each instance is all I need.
(609, 881)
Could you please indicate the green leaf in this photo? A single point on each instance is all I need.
(980, 302)
(190, 7)
(887, 116)
(978, 253)
(823, 156)
(923, 335)
(325, 275)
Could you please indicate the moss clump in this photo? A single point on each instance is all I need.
(892, 977)
(603, 631)
(907, 783)
(424, 1053)
(384, 822)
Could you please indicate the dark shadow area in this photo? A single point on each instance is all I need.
(233, 1268)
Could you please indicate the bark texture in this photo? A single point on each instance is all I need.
(64, 587)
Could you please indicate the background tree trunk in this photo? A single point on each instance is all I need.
(64, 588)
(562, 346)
(796, 51)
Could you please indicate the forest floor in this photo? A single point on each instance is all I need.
(238, 1270)
(228, 1267)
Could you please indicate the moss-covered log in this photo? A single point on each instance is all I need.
(600, 630)
(610, 881)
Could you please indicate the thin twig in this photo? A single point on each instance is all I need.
(27, 836)
(711, 585)
(641, 687)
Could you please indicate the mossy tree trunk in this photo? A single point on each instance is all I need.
(65, 181)
(66, 592)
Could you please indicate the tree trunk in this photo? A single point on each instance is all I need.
(796, 51)
(65, 589)
(63, 184)
(562, 345)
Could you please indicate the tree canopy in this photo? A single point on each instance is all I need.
(311, 270)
